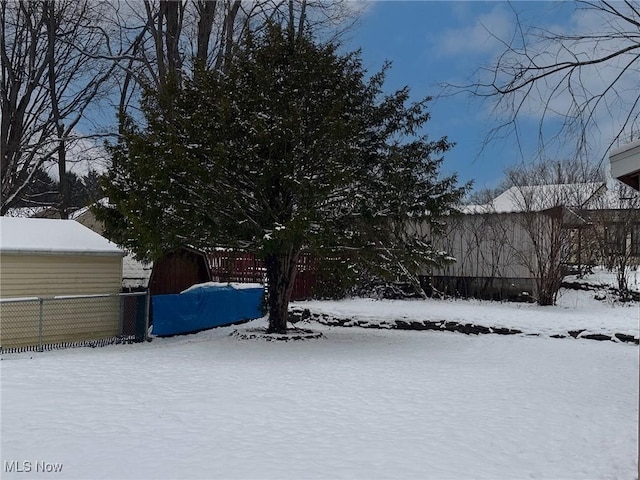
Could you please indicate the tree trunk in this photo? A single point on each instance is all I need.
(56, 118)
(206, 15)
(281, 271)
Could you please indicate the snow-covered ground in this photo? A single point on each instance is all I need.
(602, 276)
(576, 310)
(356, 404)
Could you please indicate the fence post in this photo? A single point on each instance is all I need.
(41, 325)
(147, 314)
(122, 301)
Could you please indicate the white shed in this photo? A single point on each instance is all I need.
(57, 259)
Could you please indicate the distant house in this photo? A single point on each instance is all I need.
(57, 258)
(86, 217)
(493, 249)
(614, 226)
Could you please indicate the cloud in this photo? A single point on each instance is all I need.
(359, 7)
(484, 35)
(591, 104)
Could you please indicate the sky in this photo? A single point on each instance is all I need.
(433, 43)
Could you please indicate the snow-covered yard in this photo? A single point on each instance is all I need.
(595, 311)
(358, 403)
(576, 311)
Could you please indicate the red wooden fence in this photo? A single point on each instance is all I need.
(244, 267)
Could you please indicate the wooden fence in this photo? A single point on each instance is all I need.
(245, 267)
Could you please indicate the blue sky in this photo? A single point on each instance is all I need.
(430, 43)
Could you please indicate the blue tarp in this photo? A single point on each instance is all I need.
(202, 308)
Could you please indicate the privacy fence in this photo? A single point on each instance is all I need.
(38, 324)
(245, 267)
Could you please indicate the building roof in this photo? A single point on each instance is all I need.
(24, 211)
(536, 198)
(104, 201)
(625, 164)
(41, 235)
(135, 274)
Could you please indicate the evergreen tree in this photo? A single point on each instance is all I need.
(41, 192)
(77, 192)
(292, 148)
(92, 188)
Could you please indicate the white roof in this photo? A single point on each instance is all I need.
(104, 201)
(535, 198)
(135, 274)
(41, 235)
(24, 211)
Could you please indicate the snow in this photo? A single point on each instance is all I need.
(135, 274)
(104, 201)
(538, 197)
(576, 310)
(234, 285)
(606, 278)
(40, 235)
(358, 403)
(25, 211)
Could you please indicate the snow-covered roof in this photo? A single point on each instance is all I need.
(25, 211)
(618, 196)
(104, 201)
(41, 235)
(471, 209)
(135, 274)
(535, 198)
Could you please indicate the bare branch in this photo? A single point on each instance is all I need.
(570, 83)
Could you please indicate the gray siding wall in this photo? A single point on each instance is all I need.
(484, 245)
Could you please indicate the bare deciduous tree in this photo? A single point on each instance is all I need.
(50, 75)
(547, 197)
(172, 39)
(572, 83)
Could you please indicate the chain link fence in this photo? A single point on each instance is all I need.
(38, 324)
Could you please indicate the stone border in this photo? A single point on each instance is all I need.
(291, 335)
(297, 315)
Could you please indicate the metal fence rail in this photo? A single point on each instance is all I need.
(38, 324)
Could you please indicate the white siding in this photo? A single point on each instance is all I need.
(484, 246)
